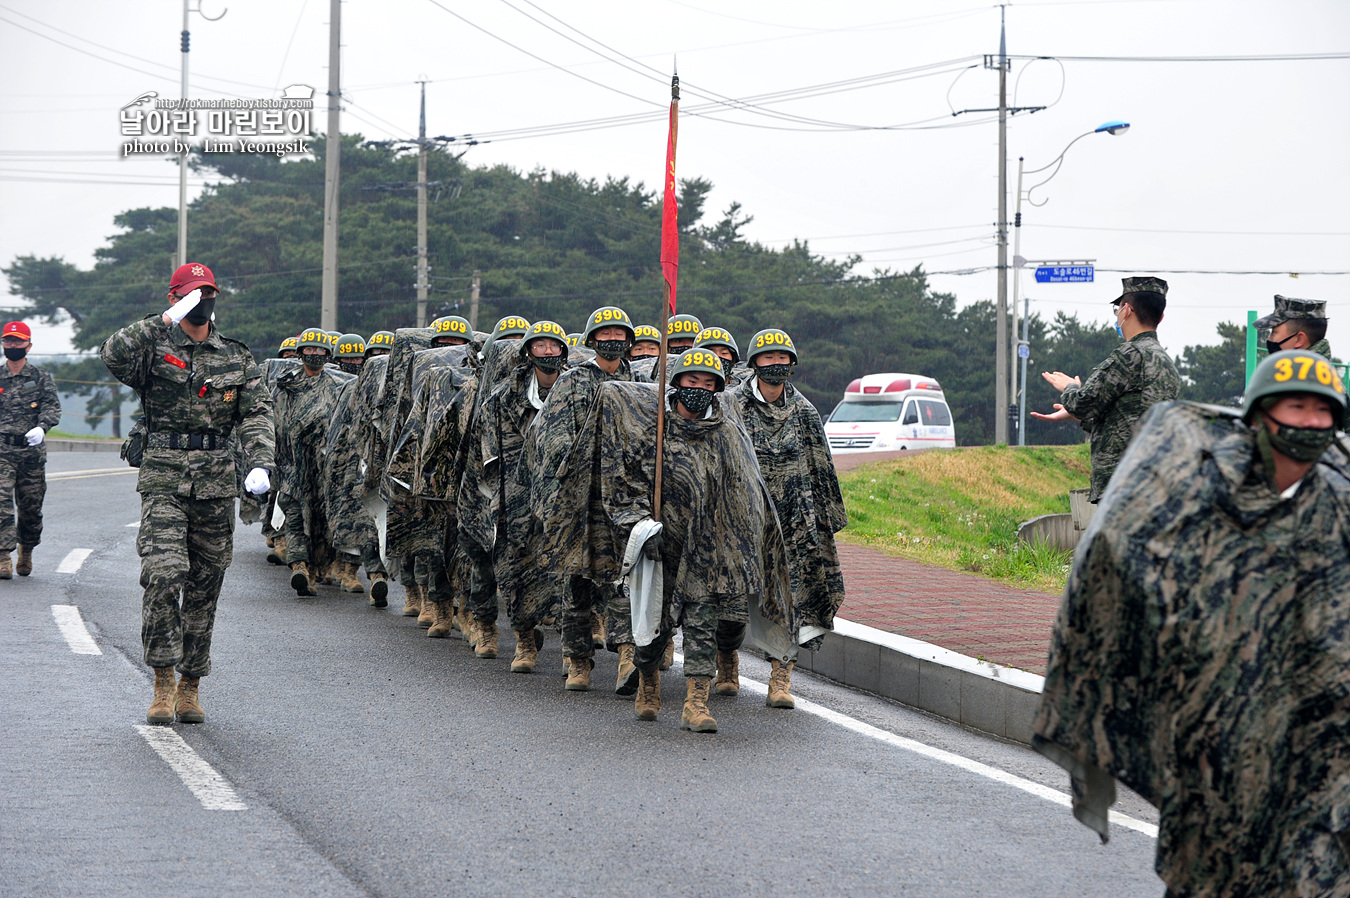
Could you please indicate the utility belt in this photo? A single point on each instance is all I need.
(13, 439)
(188, 441)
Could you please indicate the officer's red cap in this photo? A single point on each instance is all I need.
(191, 276)
(18, 329)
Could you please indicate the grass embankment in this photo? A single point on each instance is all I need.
(960, 509)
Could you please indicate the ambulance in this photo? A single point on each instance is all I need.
(881, 412)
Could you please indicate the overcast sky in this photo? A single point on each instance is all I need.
(1234, 167)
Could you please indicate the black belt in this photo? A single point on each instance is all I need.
(11, 439)
(188, 441)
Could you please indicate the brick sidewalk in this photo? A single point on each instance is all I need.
(961, 612)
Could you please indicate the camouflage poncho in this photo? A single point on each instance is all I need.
(396, 397)
(1202, 657)
(560, 422)
(350, 525)
(795, 461)
(714, 505)
(302, 408)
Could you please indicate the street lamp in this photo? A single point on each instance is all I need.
(1112, 127)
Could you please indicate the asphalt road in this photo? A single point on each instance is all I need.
(350, 755)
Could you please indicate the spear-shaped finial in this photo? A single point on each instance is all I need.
(675, 81)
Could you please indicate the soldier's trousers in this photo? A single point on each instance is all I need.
(23, 485)
(185, 546)
(300, 545)
(582, 600)
(704, 636)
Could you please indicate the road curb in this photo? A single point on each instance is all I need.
(62, 444)
(974, 693)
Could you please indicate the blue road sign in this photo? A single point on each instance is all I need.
(1024, 351)
(1064, 274)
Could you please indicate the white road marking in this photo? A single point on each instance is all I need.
(84, 476)
(211, 789)
(73, 560)
(946, 757)
(72, 627)
(81, 472)
(134, 524)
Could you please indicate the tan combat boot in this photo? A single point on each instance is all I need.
(527, 652)
(579, 674)
(669, 657)
(598, 631)
(627, 682)
(648, 701)
(412, 603)
(324, 573)
(780, 684)
(440, 627)
(695, 716)
(347, 579)
(271, 542)
(278, 553)
(379, 589)
(186, 704)
(427, 615)
(24, 566)
(471, 630)
(161, 709)
(728, 673)
(300, 580)
(486, 644)
(6, 567)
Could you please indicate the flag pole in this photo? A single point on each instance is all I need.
(670, 260)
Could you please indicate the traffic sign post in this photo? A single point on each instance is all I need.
(1065, 274)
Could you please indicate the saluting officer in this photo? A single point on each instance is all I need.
(197, 388)
(29, 407)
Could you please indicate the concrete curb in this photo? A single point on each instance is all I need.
(61, 444)
(978, 694)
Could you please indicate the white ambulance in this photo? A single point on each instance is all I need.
(880, 412)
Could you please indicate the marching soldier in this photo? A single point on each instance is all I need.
(29, 407)
(1136, 375)
(451, 330)
(380, 343)
(197, 388)
(646, 342)
(350, 353)
(681, 332)
(719, 341)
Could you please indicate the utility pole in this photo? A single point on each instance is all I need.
(473, 299)
(184, 40)
(1001, 352)
(422, 211)
(332, 170)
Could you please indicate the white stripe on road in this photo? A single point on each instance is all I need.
(211, 789)
(81, 472)
(72, 627)
(74, 558)
(946, 757)
(85, 476)
(134, 524)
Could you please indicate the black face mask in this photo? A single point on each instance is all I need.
(201, 313)
(349, 367)
(611, 349)
(1272, 347)
(774, 374)
(696, 399)
(1305, 444)
(549, 364)
(14, 353)
(315, 362)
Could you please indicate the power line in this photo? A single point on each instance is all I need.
(1278, 57)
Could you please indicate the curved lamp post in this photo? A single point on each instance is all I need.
(1112, 127)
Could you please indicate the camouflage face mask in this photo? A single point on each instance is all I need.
(349, 367)
(696, 399)
(314, 362)
(611, 349)
(549, 364)
(1305, 444)
(774, 374)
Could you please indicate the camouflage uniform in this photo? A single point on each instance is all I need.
(794, 459)
(722, 551)
(1287, 308)
(1136, 375)
(557, 427)
(1202, 657)
(394, 407)
(351, 530)
(304, 406)
(192, 393)
(27, 400)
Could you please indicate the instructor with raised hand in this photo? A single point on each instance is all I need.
(196, 388)
(29, 407)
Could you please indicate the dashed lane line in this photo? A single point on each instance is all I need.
(82, 472)
(211, 789)
(946, 757)
(55, 477)
(73, 560)
(72, 627)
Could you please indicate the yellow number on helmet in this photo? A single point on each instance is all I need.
(1284, 369)
(1324, 374)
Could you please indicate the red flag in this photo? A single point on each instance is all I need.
(670, 234)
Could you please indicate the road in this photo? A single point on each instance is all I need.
(345, 753)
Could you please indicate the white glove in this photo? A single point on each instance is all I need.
(35, 436)
(178, 311)
(257, 482)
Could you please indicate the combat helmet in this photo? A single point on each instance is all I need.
(574, 339)
(704, 360)
(380, 340)
(452, 326)
(314, 338)
(509, 327)
(290, 344)
(771, 339)
(645, 333)
(1293, 371)
(334, 338)
(603, 317)
(351, 346)
(716, 336)
(544, 330)
(683, 326)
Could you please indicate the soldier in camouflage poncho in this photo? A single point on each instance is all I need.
(593, 610)
(305, 400)
(197, 389)
(1119, 391)
(720, 546)
(29, 407)
(351, 529)
(1202, 654)
(794, 459)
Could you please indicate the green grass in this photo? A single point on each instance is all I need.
(960, 509)
(63, 435)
